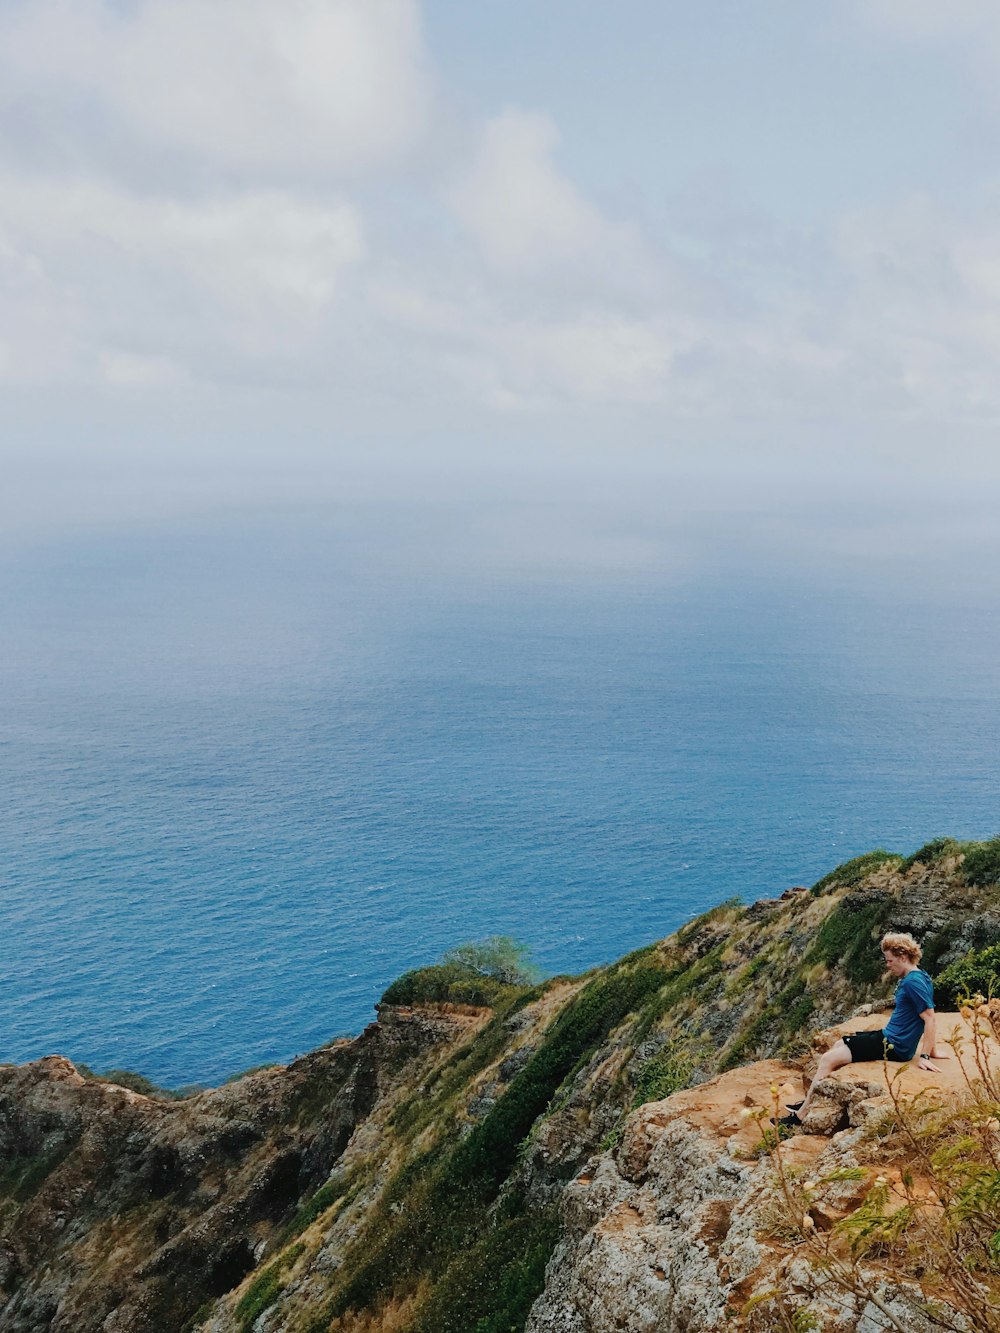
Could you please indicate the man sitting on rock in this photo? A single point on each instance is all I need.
(912, 1025)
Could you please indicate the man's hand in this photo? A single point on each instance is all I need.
(924, 1062)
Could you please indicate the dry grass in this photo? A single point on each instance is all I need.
(928, 1224)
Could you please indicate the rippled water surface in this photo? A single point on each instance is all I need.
(250, 777)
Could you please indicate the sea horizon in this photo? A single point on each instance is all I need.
(254, 773)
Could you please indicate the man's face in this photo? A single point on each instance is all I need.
(895, 962)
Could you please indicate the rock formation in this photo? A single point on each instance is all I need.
(588, 1155)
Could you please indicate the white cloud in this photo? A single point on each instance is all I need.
(598, 358)
(100, 280)
(925, 304)
(257, 268)
(241, 85)
(519, 207)
(529, 218)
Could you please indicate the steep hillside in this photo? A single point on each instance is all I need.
(415, 1179)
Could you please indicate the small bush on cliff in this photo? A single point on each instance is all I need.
(128, 1078)
(265, 1289)
(849, 939)
(851, 873)
(667, 1071)
(479, 972)
(443, 984)
(498, 957)
(978, 973)
(982, 863)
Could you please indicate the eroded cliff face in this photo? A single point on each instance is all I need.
(572, 1159)
(125, 1213)
(684, 1225)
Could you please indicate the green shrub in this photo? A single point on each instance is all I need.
(851, 873)
(499, 957)
(777, 1023)
(22, 1177)
(849, 939)
(977, 973)
(325, 1197)
(128, 1078)
(667, 1072)
(445, 983)
(480, 972)
(982, 863)
(491, 1287)
(265, 1289)
(930, 852)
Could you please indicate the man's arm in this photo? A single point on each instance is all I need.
(930, 1037)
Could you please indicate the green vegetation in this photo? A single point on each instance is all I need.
(444, 1084)
(851, 873)
(491, 1288)
(849, 939)
(682, 982)
(982, 863)
(325, 1197)
(444, 984)
(265, 1289)
(128, 1078)
(931, 851)
(23, 1176)
(667, 1072)
(499, 957)
(438, 1218)
(944, 1255)
(688, 932)
(254, 1069)
(742, 980)
(778, 1023)
(481, 972)
(978, 973)
(484, 1158)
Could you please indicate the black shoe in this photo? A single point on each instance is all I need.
(790, 1121)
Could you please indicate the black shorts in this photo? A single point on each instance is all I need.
(866, 1046)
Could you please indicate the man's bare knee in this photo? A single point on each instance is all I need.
(835, 1058)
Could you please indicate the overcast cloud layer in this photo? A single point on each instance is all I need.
(252, 213)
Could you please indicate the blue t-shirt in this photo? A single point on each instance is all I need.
(914, 994)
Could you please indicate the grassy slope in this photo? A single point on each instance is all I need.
(448, 1225)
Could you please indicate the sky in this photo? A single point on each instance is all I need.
(727, 258)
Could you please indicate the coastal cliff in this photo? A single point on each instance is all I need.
(586, 1155)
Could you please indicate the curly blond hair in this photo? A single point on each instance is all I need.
(906, 945)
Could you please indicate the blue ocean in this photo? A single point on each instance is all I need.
(254, 770)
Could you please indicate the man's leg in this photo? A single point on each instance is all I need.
(835, 1058)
